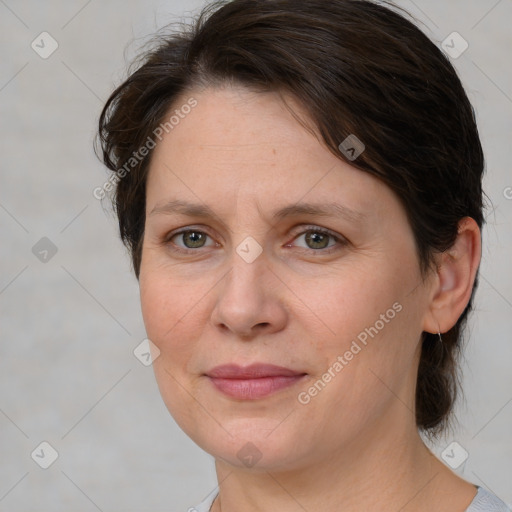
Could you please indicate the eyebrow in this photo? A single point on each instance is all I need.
(293, 210)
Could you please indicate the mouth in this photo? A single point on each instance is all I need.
(254, 381)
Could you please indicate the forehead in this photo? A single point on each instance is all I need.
(237, 145)
(235, 122)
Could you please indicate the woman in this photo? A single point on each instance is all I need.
(299, 184)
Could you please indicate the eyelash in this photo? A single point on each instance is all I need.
(340, 241)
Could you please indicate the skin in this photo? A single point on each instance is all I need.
(355, 445)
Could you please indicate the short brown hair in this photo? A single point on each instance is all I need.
(359, 68)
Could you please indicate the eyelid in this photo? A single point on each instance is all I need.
(300, 230)
(340, 240)
(167, 239)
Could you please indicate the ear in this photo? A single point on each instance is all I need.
(454, 279)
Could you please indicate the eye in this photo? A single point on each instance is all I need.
(319, 239)
(316, 239)
(191, 239)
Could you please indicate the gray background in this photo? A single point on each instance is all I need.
(69, 325)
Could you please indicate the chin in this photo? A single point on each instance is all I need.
(256, 444)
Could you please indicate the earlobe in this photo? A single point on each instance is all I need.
(456, 272)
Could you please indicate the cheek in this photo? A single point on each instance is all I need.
(365, 371)
(155, 306)
(372, 321)
(167, 306)
(349, 303)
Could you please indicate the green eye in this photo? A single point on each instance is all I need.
(318, 239)
(191, 239)
(315, 239)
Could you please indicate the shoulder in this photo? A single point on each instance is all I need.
(206, 504)
(484, 501)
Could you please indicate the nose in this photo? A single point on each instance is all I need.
(250, 300)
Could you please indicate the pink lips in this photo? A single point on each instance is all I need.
(254, 381)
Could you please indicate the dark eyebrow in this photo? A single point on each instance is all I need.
(319, 210)
(183, 207)
(313, 209)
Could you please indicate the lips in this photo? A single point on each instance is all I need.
(254, 381)
(254, 371)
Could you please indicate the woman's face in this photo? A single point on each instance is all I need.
(245, 285)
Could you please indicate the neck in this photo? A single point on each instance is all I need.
(387, 469)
